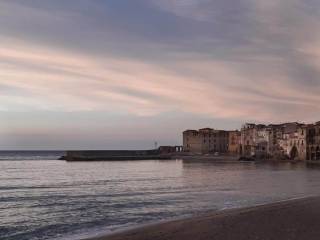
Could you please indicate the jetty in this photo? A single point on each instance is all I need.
(161, 153)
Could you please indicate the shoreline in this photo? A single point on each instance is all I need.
(287, 219)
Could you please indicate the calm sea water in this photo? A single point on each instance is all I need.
(50, 199)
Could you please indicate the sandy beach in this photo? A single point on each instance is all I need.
(293, 219)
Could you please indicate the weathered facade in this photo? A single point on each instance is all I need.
(234, 145)
(206, 140)
(313, 142)
(192, 142)
(293, 143)
(293, 140)
(277, 141)
(254, 140)
(276, 132)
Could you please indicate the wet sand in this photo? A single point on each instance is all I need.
(293, 219)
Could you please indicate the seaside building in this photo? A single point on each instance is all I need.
(313, 142)
(254, 140)
(293, 140)
(192, 141)
(277, 141)
(275, 149)
(234, 145)
(205, 140)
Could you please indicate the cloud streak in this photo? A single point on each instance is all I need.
(244, 60)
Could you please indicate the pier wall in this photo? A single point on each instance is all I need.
(113, 155)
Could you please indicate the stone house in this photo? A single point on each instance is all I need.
(192, 141)
(205, 140)
(248, 132)
(293, 142)
(234, 145)
(313, 142)
(277, 141)
(254, 140)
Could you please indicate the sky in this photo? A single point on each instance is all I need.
(122, 74)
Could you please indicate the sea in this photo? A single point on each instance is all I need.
(44, 198)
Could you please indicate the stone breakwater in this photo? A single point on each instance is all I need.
(156, 154)
(114, 155)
